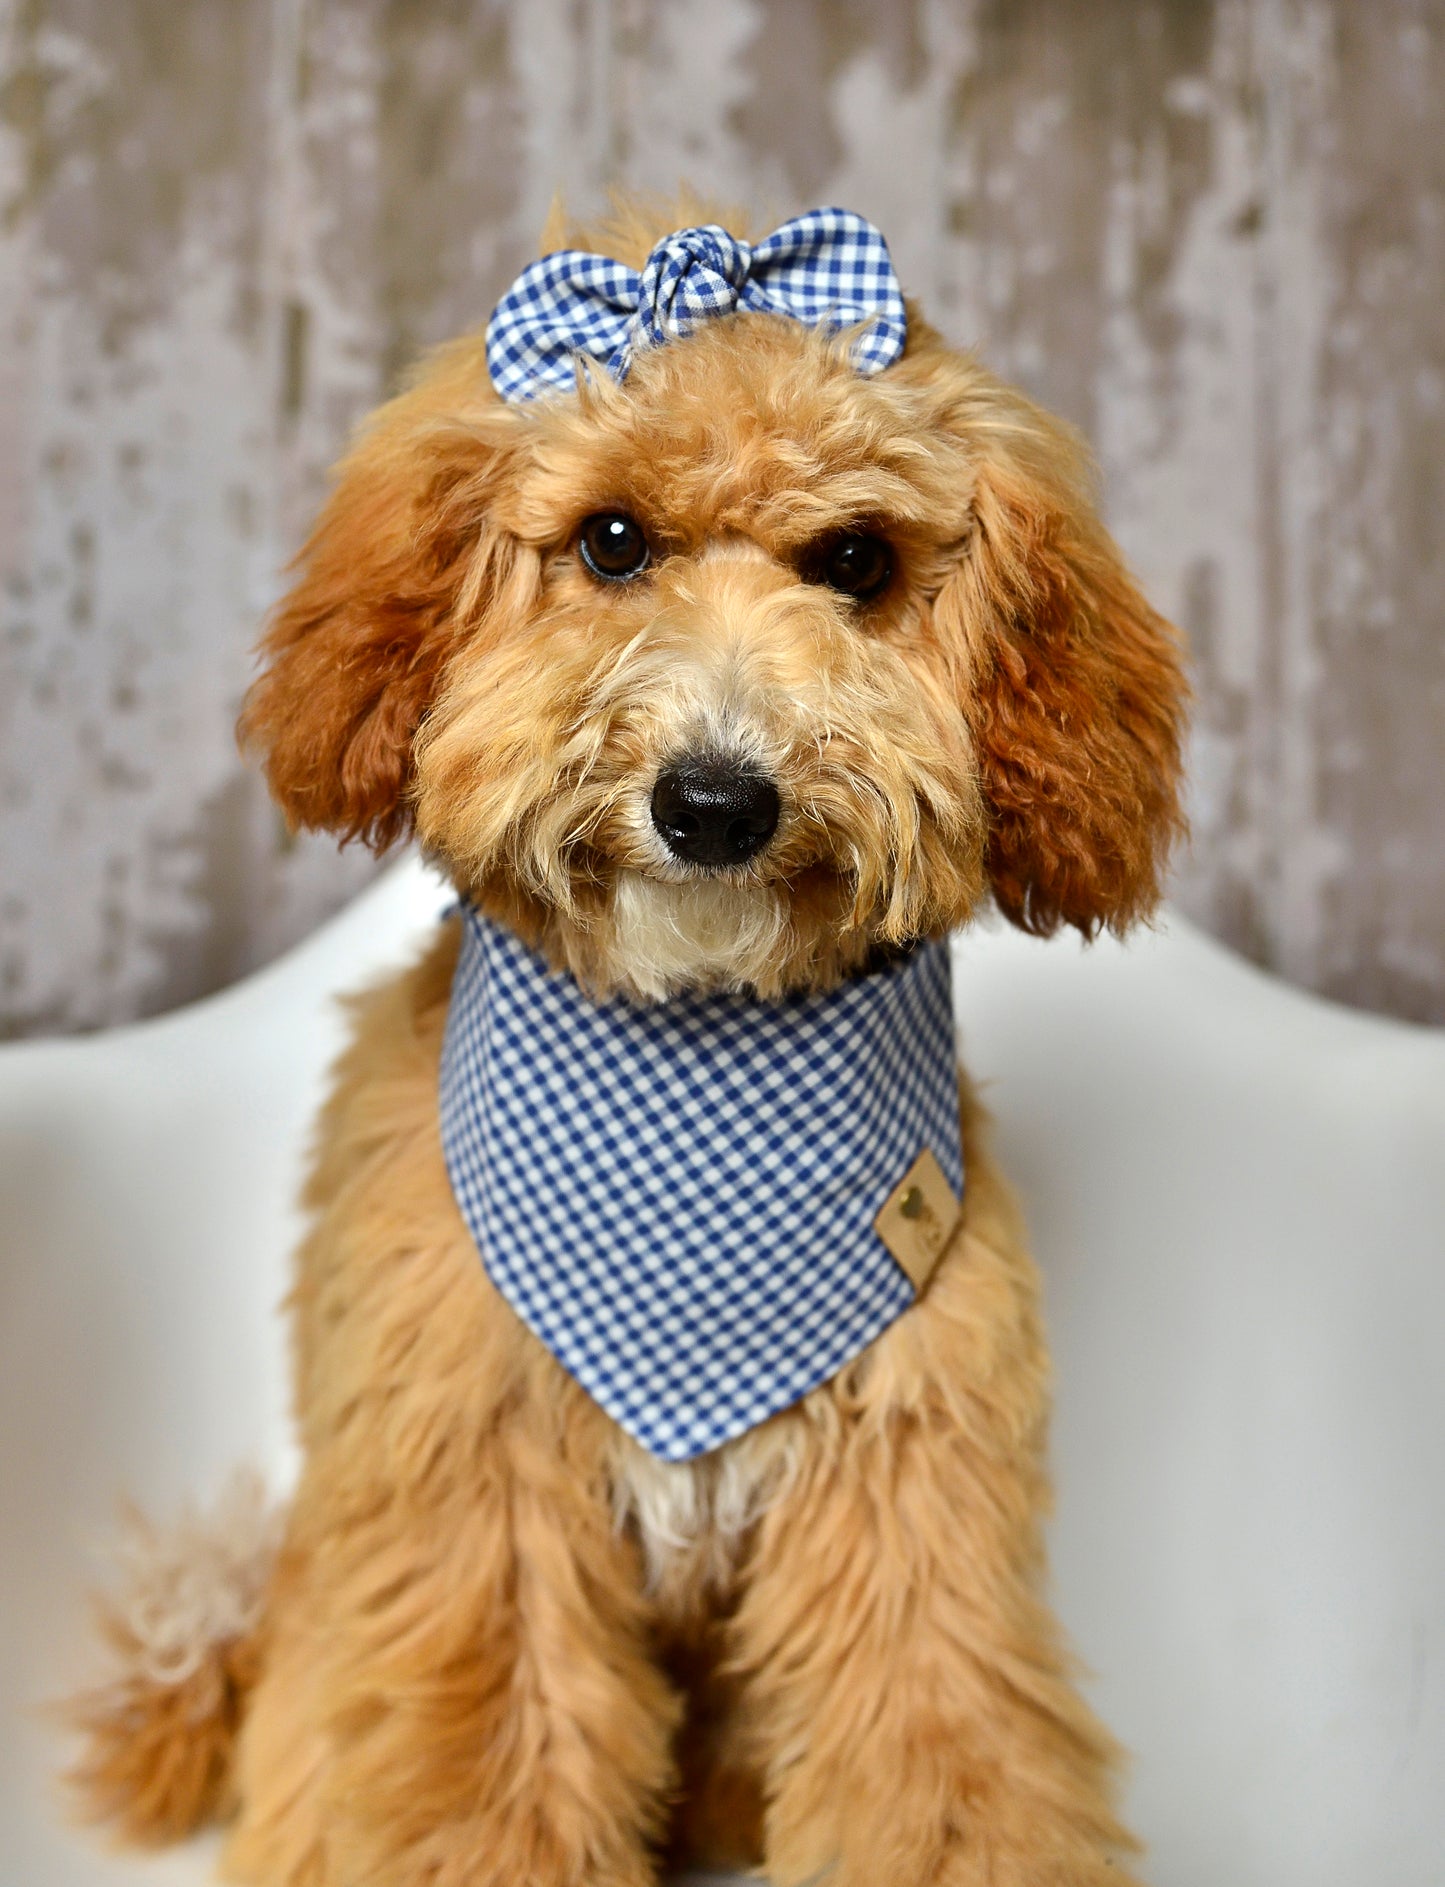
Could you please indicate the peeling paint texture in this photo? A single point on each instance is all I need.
(1211, 234)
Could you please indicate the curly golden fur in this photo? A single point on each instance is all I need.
(500, 1644)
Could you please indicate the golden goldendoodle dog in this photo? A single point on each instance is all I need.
(732, 672)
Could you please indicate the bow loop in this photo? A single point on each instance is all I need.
(828, 269)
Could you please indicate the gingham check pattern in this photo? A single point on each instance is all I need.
(828, 268)
(679, 1200)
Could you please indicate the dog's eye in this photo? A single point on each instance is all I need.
(858, 563)
(613, 546)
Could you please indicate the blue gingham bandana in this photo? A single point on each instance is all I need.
(679, 1200)
(828, 268)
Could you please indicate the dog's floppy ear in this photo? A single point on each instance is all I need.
(1075, 693)
(395, 568)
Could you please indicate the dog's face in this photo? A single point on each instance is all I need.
(737, 674)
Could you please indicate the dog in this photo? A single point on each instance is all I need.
(732, 665)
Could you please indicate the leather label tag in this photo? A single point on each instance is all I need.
(917, 1218)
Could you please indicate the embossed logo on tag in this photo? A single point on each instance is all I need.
(917, 1218)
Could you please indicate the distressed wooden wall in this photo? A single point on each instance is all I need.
(1210, 231)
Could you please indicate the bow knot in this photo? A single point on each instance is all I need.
(828, 269)
(690, 276)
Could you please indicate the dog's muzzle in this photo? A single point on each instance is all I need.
(713, 813)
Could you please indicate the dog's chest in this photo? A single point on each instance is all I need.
(691, 1518)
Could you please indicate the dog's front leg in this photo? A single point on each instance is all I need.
(908, 1696)
(458, 1691)
(907, 1693)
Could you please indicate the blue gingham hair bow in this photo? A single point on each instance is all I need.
(828, 269)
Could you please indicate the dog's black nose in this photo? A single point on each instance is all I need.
(711, 813)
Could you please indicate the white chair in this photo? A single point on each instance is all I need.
(1237, 1193)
